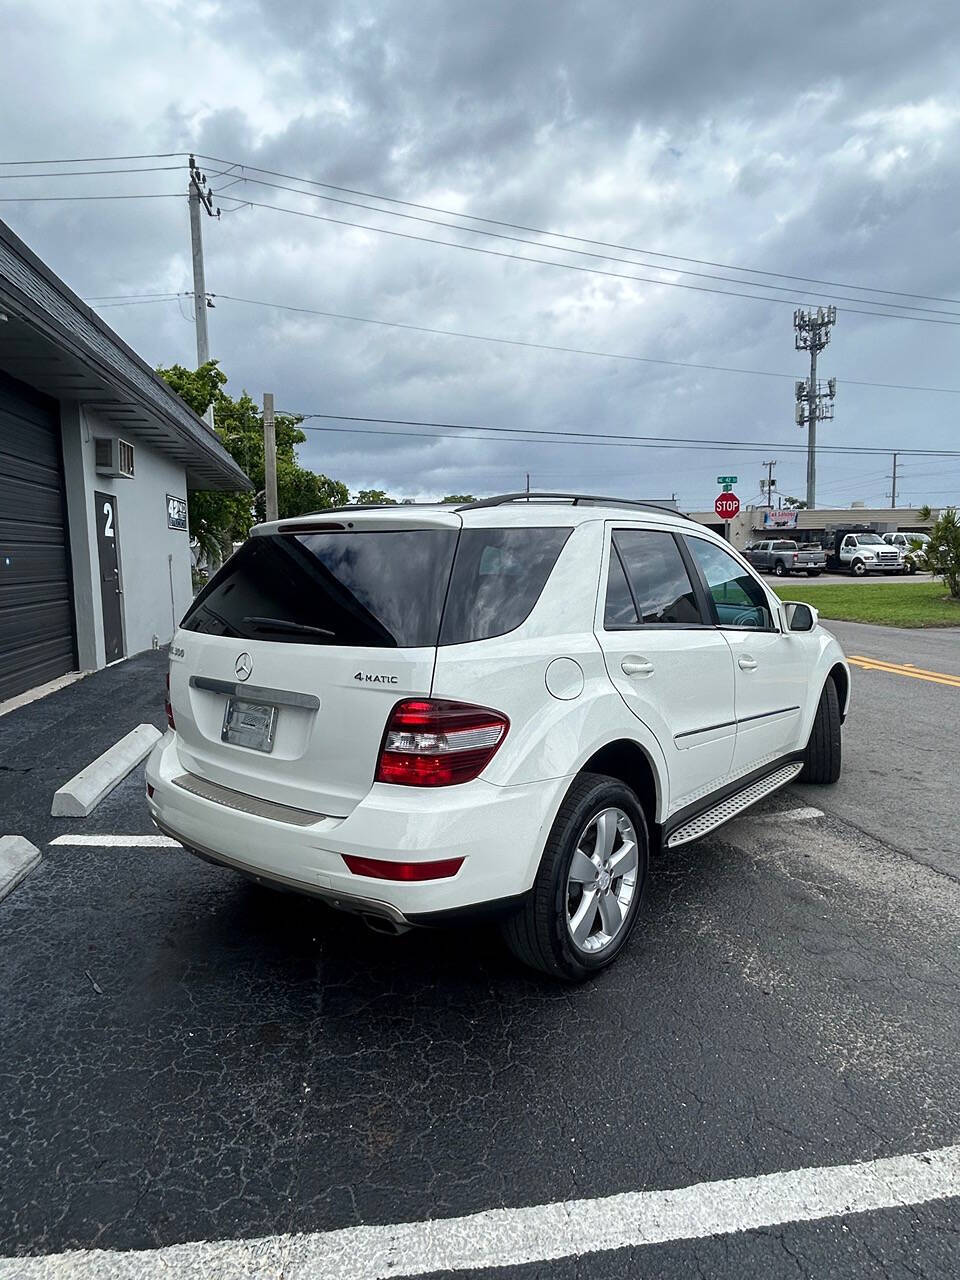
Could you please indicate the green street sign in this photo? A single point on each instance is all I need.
(727, 479)
(728, 488)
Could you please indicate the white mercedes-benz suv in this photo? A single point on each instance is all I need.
(426, 713)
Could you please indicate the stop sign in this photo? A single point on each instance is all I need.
(727, 506)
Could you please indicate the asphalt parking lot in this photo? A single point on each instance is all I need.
(190, 1060)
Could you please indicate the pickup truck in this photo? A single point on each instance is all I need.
(782, 556)
(911, 547)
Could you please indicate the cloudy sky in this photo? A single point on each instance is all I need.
(818, 140)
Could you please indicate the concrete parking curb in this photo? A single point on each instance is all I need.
(18, 857)
(81, 795)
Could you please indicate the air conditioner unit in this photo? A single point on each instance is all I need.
(113, 457)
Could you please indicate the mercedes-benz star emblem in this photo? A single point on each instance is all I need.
(244, 666)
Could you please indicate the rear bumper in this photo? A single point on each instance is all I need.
(498, 831)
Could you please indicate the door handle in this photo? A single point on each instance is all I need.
(636, 667)
(746, 663)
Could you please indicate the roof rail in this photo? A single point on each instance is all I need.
(575, 500)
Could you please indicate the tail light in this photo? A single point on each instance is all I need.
(166, 705)
(796, 557)
(431, 743)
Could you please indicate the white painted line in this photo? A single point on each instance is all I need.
(803, 814)
(41, 691)
(120, 842)
(510, 1237)
(18, 857)
(81, 795)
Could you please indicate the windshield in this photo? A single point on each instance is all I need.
(870, 540)
(381, 588)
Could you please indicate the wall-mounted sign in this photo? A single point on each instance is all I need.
(780, 519)
(176, 512)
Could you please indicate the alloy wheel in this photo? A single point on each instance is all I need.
(602, 881)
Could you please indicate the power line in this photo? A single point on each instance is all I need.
(144, 155)
(652, 442)
(586, 253)
(90, 173)
(559, 235)
(512, 226)
(154, 195)
(573, 266)
(518, 342)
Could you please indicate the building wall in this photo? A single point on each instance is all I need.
(154, 559)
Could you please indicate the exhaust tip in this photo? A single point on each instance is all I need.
(381, 924)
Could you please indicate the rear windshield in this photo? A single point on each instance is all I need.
(381, 588)
(784, 546)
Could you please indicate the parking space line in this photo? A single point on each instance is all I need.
(904, 669)
(511, 1237)
(120, 842)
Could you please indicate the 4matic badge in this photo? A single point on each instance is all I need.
(364, 678)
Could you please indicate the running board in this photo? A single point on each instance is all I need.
(733, 805)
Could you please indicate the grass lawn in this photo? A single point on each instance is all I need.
(893, 604)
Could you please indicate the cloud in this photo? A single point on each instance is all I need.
(693, 128)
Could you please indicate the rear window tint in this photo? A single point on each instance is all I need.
(381, 589)
(497, 578)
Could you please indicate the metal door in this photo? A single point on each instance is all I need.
(111, 586)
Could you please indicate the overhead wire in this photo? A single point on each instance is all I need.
(560, 235)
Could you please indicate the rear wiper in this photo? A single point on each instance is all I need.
(283, 624)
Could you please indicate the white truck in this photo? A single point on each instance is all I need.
(861, 551)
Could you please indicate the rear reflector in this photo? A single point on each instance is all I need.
(378, 869)
(433, 743)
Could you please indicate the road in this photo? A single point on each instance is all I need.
(901, 745)
(187, 1058)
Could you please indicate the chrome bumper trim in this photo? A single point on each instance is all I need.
(254, 805)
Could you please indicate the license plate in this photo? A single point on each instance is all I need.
(249, 724)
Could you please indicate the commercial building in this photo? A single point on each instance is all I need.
(811, 526)
(96, 456)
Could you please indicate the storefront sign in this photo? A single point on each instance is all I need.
(780, 519)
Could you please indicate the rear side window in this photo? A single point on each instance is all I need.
(497, 578)
(661, 590)
(382, 589)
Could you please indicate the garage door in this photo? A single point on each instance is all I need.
(36, 609)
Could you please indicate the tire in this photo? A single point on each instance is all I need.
(779, 569)
(539, 934)
(822, 755)
(858, 568)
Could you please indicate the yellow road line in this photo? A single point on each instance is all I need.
(904, 669)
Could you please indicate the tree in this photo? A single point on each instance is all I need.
(941, 555)
(374, 498)
(216, 519)
(459, 497)
(795, 504)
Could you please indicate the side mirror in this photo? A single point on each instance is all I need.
(800, 616)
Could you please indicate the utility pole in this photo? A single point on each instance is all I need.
(199, 194)
(269, 457)
(814, 400)
(770, 483)
(893, 491)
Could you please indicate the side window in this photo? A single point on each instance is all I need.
(657, 577)
(740, 600)
(619, 610)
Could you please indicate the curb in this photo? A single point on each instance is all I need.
(18, 857)
(81, 795)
